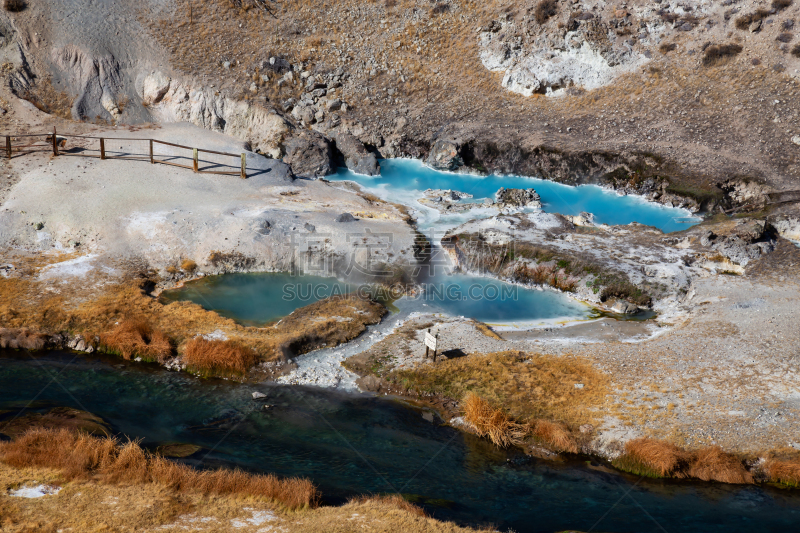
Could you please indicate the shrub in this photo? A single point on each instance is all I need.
(716, 53)
(188, 265)
(137, 338)
(216, 357)
(784, 37)
(440, 8)
(744, 21)
(492, 423)
(665, 48)
(779, 5)
(80, 456)
(713, 464)
(626, 290)
(555, 435)
(545, 9)
(14, 5)
(796, 50)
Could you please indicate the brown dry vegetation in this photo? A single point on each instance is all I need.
(131, 323)
(80, 456)
(527, 386)
(784, 470)
(395, 500)
(87, 506)
(555, 436)
(714, 464)
(136, 338)
(492, 422)
(217, 357)
(656, 458)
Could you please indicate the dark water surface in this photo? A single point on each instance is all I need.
(357, 444)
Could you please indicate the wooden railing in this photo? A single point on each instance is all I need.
(54, 140)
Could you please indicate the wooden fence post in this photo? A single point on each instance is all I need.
(151, 152)
(8, 145)
(102, 148)
(194, 156)
(55, 142)
(244, 166)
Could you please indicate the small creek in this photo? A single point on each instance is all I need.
(355, 444)
(404, 180)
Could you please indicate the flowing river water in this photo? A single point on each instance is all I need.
(355, 444)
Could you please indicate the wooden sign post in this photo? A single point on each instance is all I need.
(430, 344)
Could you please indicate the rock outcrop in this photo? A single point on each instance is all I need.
(518, 198)
(171, 100)
(444, 155)
(310, 155)
(556, 57)
(745, 242)
(356, 157)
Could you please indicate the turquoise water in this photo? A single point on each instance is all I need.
(258, 298)
(351, 445)
(402, 179)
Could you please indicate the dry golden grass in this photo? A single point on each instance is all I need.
(657, 458)
(217, 357)
(80, 456)
(394, 500)
(492, 422)
(555, 436)
(662, 457)
(784, 471)
(527, 386)
(91, 506)
(136, 338)
(714, 464)
(187, 265)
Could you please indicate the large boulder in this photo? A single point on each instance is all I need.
(154, 88)
(310, 155)
(356, 157)
(518, 198)
(444, 155)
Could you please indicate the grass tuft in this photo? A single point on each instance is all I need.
(137, 338)
(493, 422)
(80, 456)
(654, 456)
(14, 5)
(545, 9)
(784, 471)
(717, 53)
(187, 265)
(713, 464)
(394, 500)
(556, 436)
(217, 357)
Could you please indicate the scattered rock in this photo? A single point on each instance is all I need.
(369, 383)
(258, 395)
(345, 217)
(624, 308)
